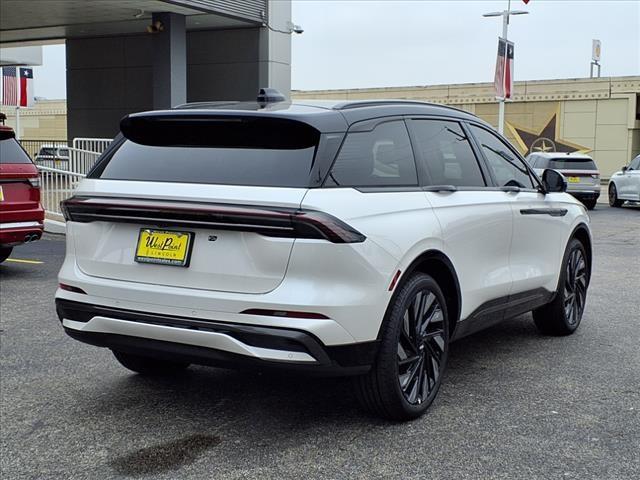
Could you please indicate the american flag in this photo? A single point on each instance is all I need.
(9, 86)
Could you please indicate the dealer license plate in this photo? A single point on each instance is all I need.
(164, 247)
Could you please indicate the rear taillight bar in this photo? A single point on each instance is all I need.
(269, 221)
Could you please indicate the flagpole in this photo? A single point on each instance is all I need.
(505, 31)
(17, 103)
(17, 122)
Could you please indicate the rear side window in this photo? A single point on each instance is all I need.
(381, 157)
(568, 163)
(447, 154)
(265, 152)
(507, 168)
(12, 152)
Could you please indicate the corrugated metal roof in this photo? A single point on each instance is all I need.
(252, 10)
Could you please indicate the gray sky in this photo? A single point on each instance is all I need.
(355, 44)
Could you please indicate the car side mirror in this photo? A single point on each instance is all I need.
(625, 168)
(553, 181)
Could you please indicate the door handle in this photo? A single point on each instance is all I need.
(554, 212)
(440, 188)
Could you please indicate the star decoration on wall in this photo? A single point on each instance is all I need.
(545, 140)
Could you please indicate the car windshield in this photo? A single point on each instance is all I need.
(47, 151)
(568, 163)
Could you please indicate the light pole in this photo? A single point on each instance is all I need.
(505, 14)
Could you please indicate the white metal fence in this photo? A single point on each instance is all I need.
(60, 177)
(92, 144)
(56, 185)
(84, 152)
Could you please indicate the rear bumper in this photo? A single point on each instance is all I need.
(15, 233)
(208, 342)
(585, 194)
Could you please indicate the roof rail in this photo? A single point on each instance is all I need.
(375, 103)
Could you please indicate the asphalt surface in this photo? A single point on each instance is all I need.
(514, 404)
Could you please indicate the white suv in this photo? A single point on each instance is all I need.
(625, 184)
(354, 238)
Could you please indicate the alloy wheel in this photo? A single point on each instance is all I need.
(575, 287)
(422, 348)
(613, 195)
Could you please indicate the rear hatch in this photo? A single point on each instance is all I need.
(581, 172)
(19, 182)
(200, 203)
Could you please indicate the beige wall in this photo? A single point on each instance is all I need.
(46, 120)
(595, 116)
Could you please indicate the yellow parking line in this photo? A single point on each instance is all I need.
(19, 260)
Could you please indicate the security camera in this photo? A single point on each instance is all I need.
(155, 27)
(293, 28)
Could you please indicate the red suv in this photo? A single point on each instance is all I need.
(21, 215)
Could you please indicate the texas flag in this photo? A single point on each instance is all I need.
(26, 87)
(503, 81)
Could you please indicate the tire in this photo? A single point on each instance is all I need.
(408, 369)
(590, 204)
(563, 315)
(614, 201)
(147, 365)
(4, 253)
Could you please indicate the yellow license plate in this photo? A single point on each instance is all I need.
(574, 179)
(164, 247)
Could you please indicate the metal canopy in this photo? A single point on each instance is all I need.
(42, 20)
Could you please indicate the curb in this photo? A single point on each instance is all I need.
(53, 226)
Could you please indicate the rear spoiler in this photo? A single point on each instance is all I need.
(6, 132)
(217, 129)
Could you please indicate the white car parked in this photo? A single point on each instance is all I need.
(625, 184)
(353, 238)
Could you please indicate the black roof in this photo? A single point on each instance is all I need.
(324, 115)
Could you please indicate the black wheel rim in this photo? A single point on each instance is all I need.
(422, 348)
(612, 194)
(575, 287)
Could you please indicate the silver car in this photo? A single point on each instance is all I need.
(625, 184)
(581, 172)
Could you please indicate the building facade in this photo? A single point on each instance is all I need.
(135, 55)
(46, 120)
(597, 116)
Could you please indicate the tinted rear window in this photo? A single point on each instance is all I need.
(47, 151)
(572, 164)
(270, 153)
(225, 166)
(12, 152)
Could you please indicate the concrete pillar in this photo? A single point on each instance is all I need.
(274, 56)
(169, 60)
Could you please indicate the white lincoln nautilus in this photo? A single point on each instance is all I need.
(337, 238)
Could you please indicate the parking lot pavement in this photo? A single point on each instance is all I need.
(514, 404)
